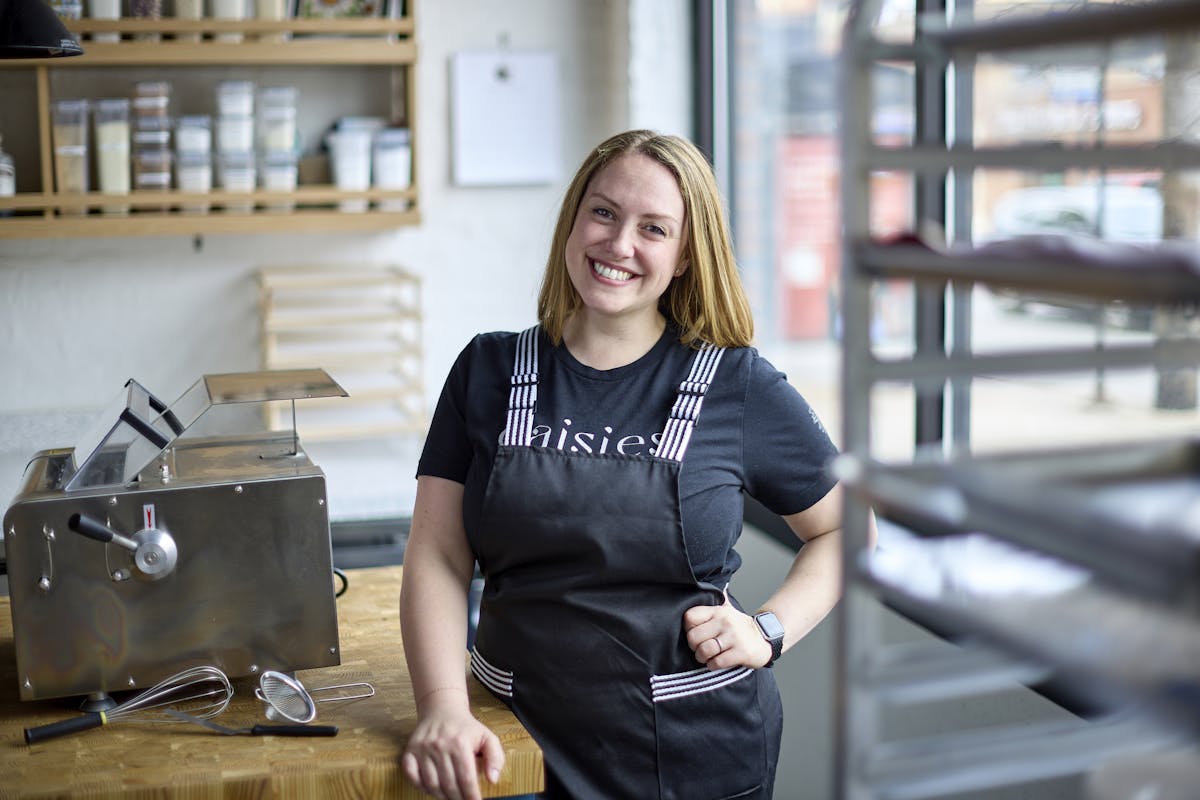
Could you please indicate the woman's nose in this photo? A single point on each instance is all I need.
(620, 241)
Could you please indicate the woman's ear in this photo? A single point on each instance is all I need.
(682, 268)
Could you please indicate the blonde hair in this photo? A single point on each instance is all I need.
(707, 303)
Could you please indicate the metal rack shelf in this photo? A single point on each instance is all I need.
(1125, 571)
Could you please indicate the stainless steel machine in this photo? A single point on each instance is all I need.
(162, 540)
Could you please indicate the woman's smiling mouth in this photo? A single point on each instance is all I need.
(611, 273)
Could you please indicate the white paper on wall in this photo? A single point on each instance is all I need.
(505, 124)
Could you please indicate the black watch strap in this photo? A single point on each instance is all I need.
(772, 631)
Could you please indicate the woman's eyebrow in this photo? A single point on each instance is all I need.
(615, 204)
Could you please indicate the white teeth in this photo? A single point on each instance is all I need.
(610, 273)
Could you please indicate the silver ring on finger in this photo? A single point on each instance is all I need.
(719, 648)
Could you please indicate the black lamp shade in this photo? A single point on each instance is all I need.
(31, 29)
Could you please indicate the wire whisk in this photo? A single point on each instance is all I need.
(286, 697)
(200, 691)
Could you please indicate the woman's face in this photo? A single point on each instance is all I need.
(626, 244)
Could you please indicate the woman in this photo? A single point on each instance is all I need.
(556, 459)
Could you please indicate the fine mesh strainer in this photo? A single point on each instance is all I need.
(286, 697)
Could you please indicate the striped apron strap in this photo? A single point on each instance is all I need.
(522, 397)
(678, 430)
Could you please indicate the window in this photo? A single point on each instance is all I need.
(784, 174)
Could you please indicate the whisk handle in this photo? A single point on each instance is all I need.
(85, 722)
(294, 730)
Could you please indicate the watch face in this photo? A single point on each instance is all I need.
(769, 624)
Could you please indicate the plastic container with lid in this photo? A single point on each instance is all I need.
(151, 101)
(228, 9)
(391, 164)
(147, 9)
(71, 150)
(105, 9)
(236, 172)
(235, 98)
(152, 173)
(111, 117)
(277, 118)
(278, 174)
(152, 169)
(191, 10)
(152, 132)
(350, 163)
(235, 134)
(272, 10)
(193, 134)
(193, 174)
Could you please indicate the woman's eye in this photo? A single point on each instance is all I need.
(602, 212)
(656, 230)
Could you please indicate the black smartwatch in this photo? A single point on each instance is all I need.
(772, 631)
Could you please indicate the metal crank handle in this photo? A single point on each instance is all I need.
(86, 722)
(93, 529)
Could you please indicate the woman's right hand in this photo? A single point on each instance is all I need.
(447, 749)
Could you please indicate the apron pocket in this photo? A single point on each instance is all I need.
(710, 734)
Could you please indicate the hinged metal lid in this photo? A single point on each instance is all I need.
(136, 426)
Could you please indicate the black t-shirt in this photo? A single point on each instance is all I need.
(755, 433)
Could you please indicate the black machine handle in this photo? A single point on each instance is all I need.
(86, 722)
(94, 529)
(91, 528)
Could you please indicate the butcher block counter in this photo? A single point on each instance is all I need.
(132, 759)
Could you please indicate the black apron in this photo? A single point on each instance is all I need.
(581, 621)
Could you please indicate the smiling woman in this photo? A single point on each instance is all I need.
(556, 461)
(625, 246)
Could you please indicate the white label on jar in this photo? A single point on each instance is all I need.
(8, 183)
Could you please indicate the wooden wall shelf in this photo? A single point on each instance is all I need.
(387, 43)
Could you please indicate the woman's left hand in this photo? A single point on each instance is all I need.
(722, 636)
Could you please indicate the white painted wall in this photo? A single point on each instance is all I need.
(80, 316)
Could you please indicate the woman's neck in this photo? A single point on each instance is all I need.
(608, 344)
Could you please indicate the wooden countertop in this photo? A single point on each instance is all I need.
(137, 759)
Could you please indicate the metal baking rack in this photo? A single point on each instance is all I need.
(1116, 617)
